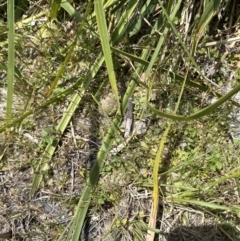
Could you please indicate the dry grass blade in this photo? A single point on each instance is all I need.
(215, 43)
(155, 197)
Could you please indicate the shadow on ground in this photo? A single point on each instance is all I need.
(222, 232)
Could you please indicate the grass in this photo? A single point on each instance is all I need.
(175, 178)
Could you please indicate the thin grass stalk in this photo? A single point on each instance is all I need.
(11, 55)
(177, 77)
(71, 10)
(53, 13)
(208, 186)
(62, 67)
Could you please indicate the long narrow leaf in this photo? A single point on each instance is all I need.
(206, 204)
(76, 223)
(56, 4)
(62, 67)
(206, 111)
(71, 10)
(209, 12)
(11, 53)
(103, 32)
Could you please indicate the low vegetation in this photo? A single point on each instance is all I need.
(119, 120)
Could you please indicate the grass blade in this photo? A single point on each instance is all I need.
(205, 111)
(46, 157)
(56, 4)
(209, 12)
(207, 204)
(103, 32)
(62, 68)
(11, 53)
(71, 10)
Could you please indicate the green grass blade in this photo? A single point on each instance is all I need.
(145, 11)
(121, 31)
(11, 53)
(71, 10)
(56, 4)
(208, 186)
(62, 67)
(221, 180)
(46, 157)
(209, 12)
(130, 56)
(86, 196)
(103, 32)
(200, 113)
(206, 204)
(162, 38)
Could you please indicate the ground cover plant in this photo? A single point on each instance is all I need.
(119, 120)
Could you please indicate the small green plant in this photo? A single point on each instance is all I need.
(49, 135)
(215, 161)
